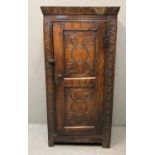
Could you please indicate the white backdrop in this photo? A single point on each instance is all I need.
(36, 73)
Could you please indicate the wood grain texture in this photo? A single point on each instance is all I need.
(79, 83)
(79, 53)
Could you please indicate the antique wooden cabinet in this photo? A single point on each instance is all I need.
(79, 47)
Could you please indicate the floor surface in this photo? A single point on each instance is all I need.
(38, 144)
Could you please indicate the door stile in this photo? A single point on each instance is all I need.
(59, 75)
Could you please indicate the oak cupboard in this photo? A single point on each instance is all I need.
(79, 47)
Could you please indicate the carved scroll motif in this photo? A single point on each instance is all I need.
(79, 53)
(109, 80)
(79, 104)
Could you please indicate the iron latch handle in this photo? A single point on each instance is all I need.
(51, 61)
(58, 79)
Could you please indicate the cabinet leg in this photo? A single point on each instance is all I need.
(51, 142)
(105, 145)
(106, 138)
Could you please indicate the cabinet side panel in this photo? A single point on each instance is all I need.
(49, 71)
(109, 81)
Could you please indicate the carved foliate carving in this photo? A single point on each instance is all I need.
(79, 53)
(109, 71)
(79, 104)
(109, 80)
(80, 10)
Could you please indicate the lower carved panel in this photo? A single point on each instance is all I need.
(79, 106)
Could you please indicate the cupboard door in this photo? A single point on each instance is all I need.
(79, 76)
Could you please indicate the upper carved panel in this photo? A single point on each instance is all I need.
(79, 53)
(80, 10)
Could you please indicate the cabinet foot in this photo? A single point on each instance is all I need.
(105, 145)
(51, 142)
(106, 137)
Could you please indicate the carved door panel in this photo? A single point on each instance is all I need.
(79, 76)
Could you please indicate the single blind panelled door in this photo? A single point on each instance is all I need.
(79, 76)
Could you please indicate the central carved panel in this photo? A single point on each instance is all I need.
(79, 48)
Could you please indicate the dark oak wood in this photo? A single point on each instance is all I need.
(80, 10)
(80, 46)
